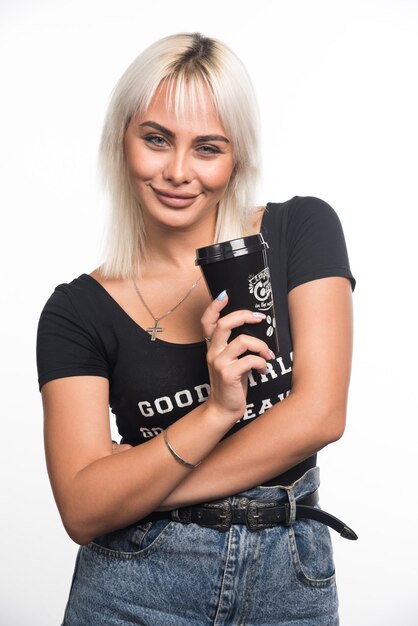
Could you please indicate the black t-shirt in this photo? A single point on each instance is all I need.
(84, 332)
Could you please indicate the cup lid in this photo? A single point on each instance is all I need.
(230, 249)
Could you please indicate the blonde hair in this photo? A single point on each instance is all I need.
(202, 63)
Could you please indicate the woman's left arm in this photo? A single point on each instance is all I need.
(312, 416)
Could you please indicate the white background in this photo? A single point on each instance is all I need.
(337, 84)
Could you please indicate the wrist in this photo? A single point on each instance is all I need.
(190, 439)
(219, 417)
(176, 456)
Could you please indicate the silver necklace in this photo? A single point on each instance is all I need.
(153, 330)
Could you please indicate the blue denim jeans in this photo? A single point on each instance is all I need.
(165, 573)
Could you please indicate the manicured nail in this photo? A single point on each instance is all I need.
(222, 296)
(260, 315)
(273, 356)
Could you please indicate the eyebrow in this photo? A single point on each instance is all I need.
(172, 135)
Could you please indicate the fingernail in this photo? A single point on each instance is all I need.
(221, 296)
(260, 315)
(273, 356)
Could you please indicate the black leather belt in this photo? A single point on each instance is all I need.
(255, 514)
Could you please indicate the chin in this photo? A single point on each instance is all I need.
(179, 221)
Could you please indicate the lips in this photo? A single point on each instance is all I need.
(176, 200)
(173, 194)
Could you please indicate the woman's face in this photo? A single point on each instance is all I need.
(179, 169)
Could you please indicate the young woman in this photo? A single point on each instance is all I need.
(207, 513)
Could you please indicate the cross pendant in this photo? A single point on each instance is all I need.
(154, 330)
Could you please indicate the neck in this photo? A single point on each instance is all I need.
(176, 249)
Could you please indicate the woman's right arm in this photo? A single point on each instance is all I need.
(97, 491)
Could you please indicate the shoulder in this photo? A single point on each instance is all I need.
(300, 206)
(313, 238)
(74, 310)
(72, 299)
(69, 334)
(296, 208)
(301, 215)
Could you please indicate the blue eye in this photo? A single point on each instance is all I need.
(156, 140)
(209, 150)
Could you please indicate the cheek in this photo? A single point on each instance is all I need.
(141, 169)
(217, 177)
(142, 166)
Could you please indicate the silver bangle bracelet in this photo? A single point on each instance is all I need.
(175, 455)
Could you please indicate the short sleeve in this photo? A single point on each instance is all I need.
(64, 347)
(315, 243)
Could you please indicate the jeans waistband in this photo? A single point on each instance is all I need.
(260, 508)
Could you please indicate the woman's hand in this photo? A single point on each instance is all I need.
(228, 369)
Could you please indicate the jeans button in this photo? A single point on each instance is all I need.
(243, 503)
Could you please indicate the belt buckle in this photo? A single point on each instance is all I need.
(252, 516)
(225, 516)
(255, 520)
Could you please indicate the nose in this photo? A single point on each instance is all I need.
(178, 168)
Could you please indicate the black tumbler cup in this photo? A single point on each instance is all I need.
(240, 267)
